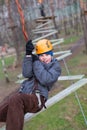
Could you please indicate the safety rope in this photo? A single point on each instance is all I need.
(20, 11)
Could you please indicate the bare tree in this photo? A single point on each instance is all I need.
(76, 19)
(69, 4)
(14, 29)
(84, 21)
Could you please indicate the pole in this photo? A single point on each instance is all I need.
(4, 68)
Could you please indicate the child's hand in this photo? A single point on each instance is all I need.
(29, 47)
(34, 57)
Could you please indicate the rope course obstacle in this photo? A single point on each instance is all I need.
(72, 88)
(47, 28)
(63, 54)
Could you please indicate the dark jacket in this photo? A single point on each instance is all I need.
(45, 74)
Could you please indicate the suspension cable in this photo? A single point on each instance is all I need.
(20, 11)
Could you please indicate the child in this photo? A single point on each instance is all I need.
(41, 71)
(41, 7)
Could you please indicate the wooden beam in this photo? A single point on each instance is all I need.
(61, 52)
(56, 40)
(63, 56)
(70, 77)
(41, 20)
(57, 43)
(44, 31)
(61, 78)
(47, 17)
(41, 29)
(72, 88)
(41, 25)
(49, 34)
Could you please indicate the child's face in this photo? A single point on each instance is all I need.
(45, 58)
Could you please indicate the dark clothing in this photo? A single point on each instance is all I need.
(45, 74)
(42, 12)
(41, 7)
(13, 109)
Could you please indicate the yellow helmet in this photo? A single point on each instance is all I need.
(43, 46)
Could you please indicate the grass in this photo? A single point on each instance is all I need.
(64, 115)
(70, 40)
(78, 64)
(8, 64)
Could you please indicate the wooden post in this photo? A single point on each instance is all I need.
(4, 68)
(85, 30)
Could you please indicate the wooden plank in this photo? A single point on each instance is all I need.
(44, 31)
(61, 52)
(41, 21)
(61, 78)
(44, 28)
(47, 17)
(56, 40)
(63, 56)
(49, 34)
(71, 77)
(19, 81)
(41, 25)
(72, 88)
(20, 76)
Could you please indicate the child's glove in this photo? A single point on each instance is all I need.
(34, 57)
(29, 47)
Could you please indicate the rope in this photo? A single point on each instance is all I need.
(81, 108)
(20, 11)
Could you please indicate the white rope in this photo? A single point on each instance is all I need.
(81, 107)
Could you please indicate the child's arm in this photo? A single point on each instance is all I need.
(27, 67)
(49, 76)
(27, 62)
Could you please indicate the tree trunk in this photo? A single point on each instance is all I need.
(13, 28)
(84, 25)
